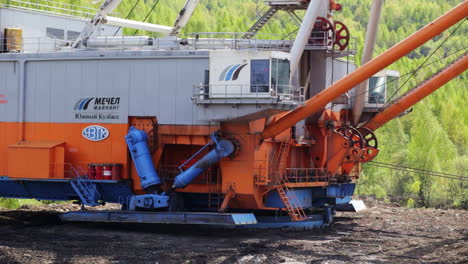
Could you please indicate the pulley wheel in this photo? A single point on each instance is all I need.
(342, 36)
(357, 143)
(353, 135)
(371, 145)
(369, 137)
(323, 33)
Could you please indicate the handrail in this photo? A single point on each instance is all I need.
(51, 7)
(280, 93)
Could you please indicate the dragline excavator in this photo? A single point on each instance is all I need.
(340, 149)
(232, 131)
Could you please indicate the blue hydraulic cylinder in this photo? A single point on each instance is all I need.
(223, 149)
(137, 143)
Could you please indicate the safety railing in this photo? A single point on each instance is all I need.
(234, 40)
(306, 175)
(48, 44)
(278, 93)
(156, 42)
(321, 40)
(88, 170)
(261, 176)
(31, 45)
(51, 7)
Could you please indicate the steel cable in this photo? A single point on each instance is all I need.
(147, 15)
(419, 171)
(408, 73)
(128, 15)
(422, 64)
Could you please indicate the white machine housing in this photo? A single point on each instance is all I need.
(249, 74)
(377, 89)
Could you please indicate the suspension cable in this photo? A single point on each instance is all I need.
(408, 73)
(418, 171)
(128, 16)
(442, 173)
(147, 15)
(413, 72)
(422, 64)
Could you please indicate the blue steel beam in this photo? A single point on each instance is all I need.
(223, 149)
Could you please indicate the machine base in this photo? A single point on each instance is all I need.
(212, 220)
(284, 222)
(352, 206)
(198, 218)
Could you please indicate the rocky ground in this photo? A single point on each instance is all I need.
(384, 233)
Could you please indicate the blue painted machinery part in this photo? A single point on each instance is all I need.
(223, 149)
(137, 143)
(148, 201)
(63, 190)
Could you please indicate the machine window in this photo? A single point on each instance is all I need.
(72, 35)
(280, 71)
(259, 76)
(55, 33)
(392, 84)
(377, 87)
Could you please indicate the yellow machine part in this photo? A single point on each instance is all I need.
(13, 39)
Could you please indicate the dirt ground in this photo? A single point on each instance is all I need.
(384, 233)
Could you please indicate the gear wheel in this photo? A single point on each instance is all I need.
(371, 144)
(356, 141)
(342, 36)
(323, 33)
(353, 135)
(237, 147)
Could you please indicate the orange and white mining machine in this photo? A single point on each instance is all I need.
(234, 130)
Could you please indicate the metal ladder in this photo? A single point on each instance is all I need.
(295, 210)
(278, 166)
(260, 23)
(283, 156)
(86, 190)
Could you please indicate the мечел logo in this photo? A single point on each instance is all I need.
(83, 103)
(231, 72)
(97, 103)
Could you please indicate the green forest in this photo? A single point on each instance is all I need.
(432, 137)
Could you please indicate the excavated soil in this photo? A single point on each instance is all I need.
(384, 233)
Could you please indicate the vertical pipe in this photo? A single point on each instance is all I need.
(369, 47)
(137, 144)
(418, 93)
(393, 54)
(22, 99)
(304, 34)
